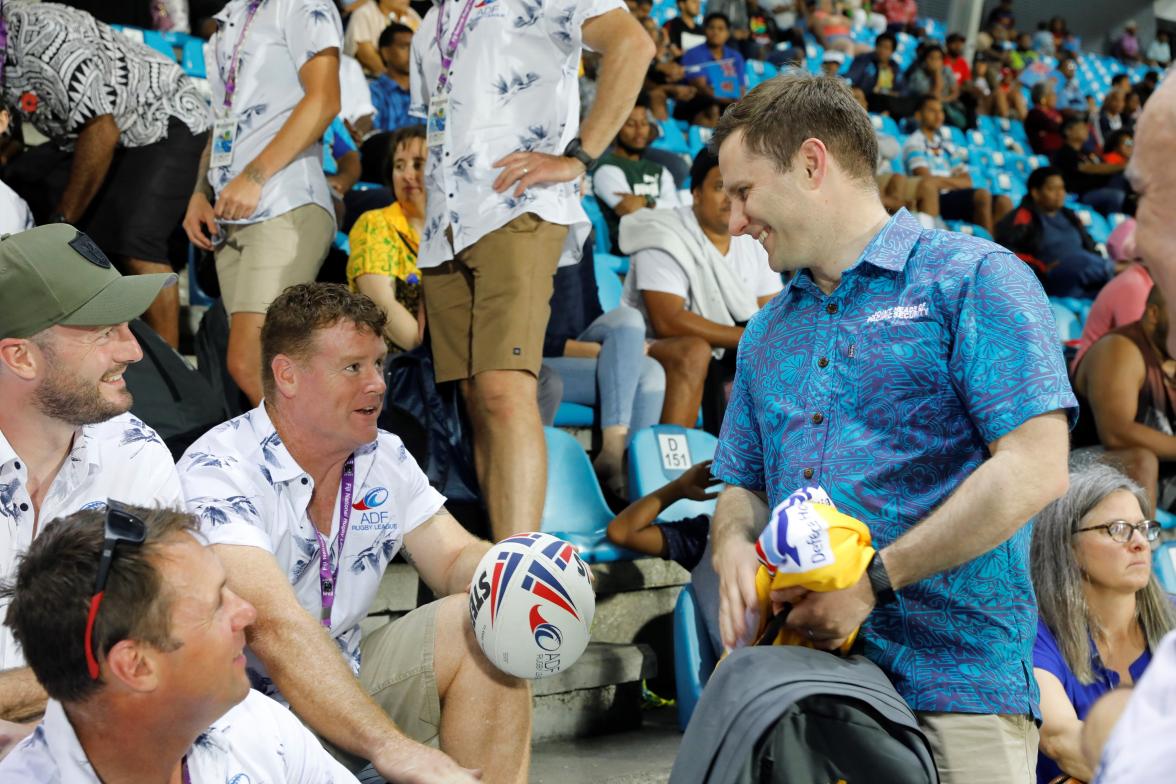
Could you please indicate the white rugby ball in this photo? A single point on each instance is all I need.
(531, 604)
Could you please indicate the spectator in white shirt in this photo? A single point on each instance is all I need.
(148, 684)
(66, 441)
(274, 220)
(506, 151)
(696, 285)
(365, 25)
(305, 502)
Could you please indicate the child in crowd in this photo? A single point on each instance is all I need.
(682, 541)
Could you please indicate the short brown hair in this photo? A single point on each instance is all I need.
(780, 114)
(50, 596)
(400, 136)
(303, 309)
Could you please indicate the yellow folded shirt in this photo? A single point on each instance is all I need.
(808, 543)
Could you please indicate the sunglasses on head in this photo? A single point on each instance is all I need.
(122, 527)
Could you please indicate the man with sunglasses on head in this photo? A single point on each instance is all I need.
(66, 439)
(147, 679)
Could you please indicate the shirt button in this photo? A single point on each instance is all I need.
(451, 195)
(808, 473)
(24, 507)
(16, 465)
(823, 362)
(831, 307)
(305, 481)
(818, 419)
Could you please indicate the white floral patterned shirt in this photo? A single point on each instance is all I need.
(282, 37)
(257, 741)
(121, 458)
(247, 490)
(513, 86)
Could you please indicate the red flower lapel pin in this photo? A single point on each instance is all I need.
(28, 102)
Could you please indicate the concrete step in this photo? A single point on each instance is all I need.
(599, 693)
(642, 755)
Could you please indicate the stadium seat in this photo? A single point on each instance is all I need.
(813, 54)
(697, 137)
(159, 43)
(1095, 223)
(574, 509)
(758, 71)
(608, 285)
(1079, 307)
(618, 264)
(1115, 218)
(886, 124)
(963, 227)
(671, 139)
(1007, 184)
(192, 58)
(694, 661)
(1067, 323)
(954, 135)
(592, 207)
(1163, 564)
(661, 453)
(574, 415)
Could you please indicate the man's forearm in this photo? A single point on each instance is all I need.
(690, 324)
(990, 506)
(621, 74)
(21, 696)
(306, 125)
(740, 515)
(202, 185)
(308, 669)
(462, 571)
(93, 152)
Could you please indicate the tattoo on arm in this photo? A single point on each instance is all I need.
(253, 175)
(407, 556)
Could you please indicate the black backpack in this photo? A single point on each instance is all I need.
(170, 395)
(784, 713)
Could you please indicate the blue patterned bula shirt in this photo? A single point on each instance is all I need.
(887, 392)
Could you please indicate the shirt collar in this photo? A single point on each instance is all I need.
(79, 451)
(888, 250)
(63, 746)
(281, 464)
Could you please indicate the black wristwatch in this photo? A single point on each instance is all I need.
(576, 150)
(880, 581)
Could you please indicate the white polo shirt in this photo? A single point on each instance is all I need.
(121, 458)
(513, 87)
(247, 490)
(282, 37)
(1139, 749)
(258, 740)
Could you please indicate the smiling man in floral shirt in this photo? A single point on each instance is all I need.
(133, 122)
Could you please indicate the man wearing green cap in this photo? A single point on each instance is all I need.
(66, 439)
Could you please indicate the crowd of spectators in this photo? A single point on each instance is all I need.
(444, 162)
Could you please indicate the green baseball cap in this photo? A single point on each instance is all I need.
(55, 274)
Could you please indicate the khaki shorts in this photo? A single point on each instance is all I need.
(260, 260)
(396, 669)
(970, 747)
(488, 307)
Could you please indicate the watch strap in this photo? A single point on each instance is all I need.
(880, 581)
(576, 150)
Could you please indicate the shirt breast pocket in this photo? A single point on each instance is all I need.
(904, 360)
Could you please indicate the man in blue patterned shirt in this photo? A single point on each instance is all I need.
(390, 92)
(916, 376)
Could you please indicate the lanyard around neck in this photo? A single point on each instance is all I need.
(235, 60)
(328, 576)
(454, 37)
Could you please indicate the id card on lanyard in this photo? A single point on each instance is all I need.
(224, 128)
(328, 575)
(438, 122)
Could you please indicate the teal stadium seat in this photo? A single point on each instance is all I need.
(592, 207)
(574, 509)
(574, 415)
(608, 285)
(963, 227)
(886, 124)
(694, 660)
(1069, 328)
(1163, 564)
(758, 71)
(671, 138)
(1096, 225)
(662, 453)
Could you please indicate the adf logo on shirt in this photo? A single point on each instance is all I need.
(369, 504)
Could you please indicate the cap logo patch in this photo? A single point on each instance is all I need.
(89, 250)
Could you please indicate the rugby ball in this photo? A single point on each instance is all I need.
(531, 604)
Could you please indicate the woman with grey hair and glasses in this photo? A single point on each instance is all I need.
(1101, 611)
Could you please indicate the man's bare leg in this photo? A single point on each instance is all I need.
(686, 360)
(244, 355)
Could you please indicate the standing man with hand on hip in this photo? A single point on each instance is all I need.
(497, 82)
(917, 377)
(273, 66)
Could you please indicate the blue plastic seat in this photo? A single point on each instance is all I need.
(1079, 307)
(608, 285)
(574, 415)
(192, 58)
(159, 43)
(758, 71)
(661, 453)
(1003, 183)
(1096, 225)
(963, 227)
(697, 137)
(592, 207)
(1163, 564)
(1067, 322)
(671, 139)
(694, 661)
(574, 509)
(886, 124)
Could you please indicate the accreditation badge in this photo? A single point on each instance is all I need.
(224, 136)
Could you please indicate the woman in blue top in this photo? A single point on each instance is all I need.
(1101, 611)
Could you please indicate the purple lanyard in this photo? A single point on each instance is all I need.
(327, 575)
(185, 775)
(3, 43)
(231, 77)
(454, 37)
